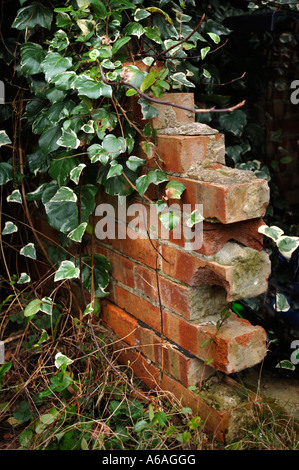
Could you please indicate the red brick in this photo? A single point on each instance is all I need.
(223, 199)
(140, 249)
(179, 153)
(170, 116)
(140, 308)
(119, 321)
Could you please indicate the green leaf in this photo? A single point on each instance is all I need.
(115, 169)
(140, 14)
(180, 77)
(153, 33)
(215, 38)
(143, 182)
(271, 232)
(285, 364)
(113, 146)
(48, 139)
(91, 88)
(62, 166)
(6, 172)
(47, 305)
(32, 308)
(4, 139)
(134, 163)
(141, 426)
(119, 43)
(148, 111)
(77, 234)
(24, 278)
(88, 202)
(68, 139)
(66, 270)
(33, 15)
(170, 220)
(149, 80)
(62, 361)
(55, 64)
(100, 274)
(233, 122)
(287, 245)
(134, 29)
(64, 194)
(195, 218)
(62, 216)
(28, 251)
(32, 55)
(15, 196)
(76, 173)
(175, 189)
(9, 228)
(281, 304)
(65, 80)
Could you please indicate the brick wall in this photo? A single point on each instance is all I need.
(166, 299)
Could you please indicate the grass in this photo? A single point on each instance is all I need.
(87, 405)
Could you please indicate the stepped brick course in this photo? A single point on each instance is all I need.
(167, 300)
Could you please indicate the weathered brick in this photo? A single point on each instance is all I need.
(242, 271)
(183, 153)
(170, 116)
(228, 195)
(124, 325)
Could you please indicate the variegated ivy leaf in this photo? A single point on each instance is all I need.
(68, 139)
(4, 139)
(271, 232)
(62, 360)
(15, 196)
(180, 77)
(29, 251)
(174, 190)
(76, 172)
(170, 220)
(195, 218)
(287, 245)
(9, 228)
(64, 194)
(77, 234)
(24, 278)
(281, 303)
(66, 270)
(285, 364)
(88, 128)
(47, 305)
(89, 309)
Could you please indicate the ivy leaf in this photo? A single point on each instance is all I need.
(4, 139)
(68, 139)
(134, 163)
(48, 139)
(33, 15)
(100, 274)
(143, 182)
(15, 196)
(148, 111)
(174, 189)
(287, 245)
(62, 361)
(62, 166)
(9, 228)
(28, 251)
(62, 216)
(66, 270)
(64, 194)
(119, 43)
(233, 122)
(77, 234)
(88, 202)
(180, 77)
(134, 29)
(149, 80)
(24, 279)
(113, 146)
(153, 33)
(76, 173)
(65, 80)
(285, 364)
(281, 303)
(32, 56)
(55, 64)
(170, 220)
(6, 172)
(38, 162)
(195, 218)
(91, 88)
(271, 232)
(115, 169)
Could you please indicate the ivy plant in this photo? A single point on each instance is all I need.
(79, 60)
